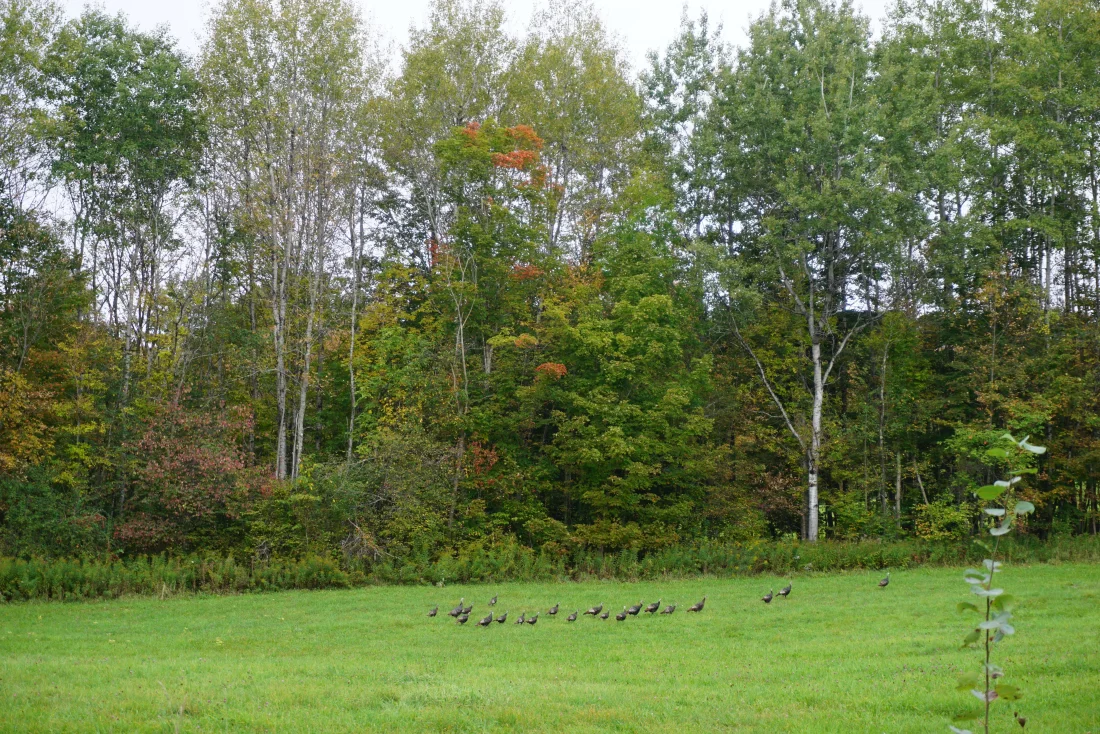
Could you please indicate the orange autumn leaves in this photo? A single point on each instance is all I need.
(516, 148)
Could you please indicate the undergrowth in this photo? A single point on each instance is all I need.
(90, 578)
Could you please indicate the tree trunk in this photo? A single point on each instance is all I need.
(814, 455)
(356, 256)
(897, 488)
(317, 265)
(916, 473)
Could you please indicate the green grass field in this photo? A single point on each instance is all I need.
(840, 655)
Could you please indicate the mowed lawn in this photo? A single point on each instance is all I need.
(840, 655)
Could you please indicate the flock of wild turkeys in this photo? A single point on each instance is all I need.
(462, 613)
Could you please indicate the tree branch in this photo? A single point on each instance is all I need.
(768, 385)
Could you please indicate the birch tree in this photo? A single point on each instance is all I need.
(797, 124)
(283, 80)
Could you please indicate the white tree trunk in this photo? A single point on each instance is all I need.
(814, 455)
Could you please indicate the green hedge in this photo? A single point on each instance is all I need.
(22, 580)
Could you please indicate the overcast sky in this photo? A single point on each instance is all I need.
(641, 25)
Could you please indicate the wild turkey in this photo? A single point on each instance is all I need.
(595, 610)
(468, 609)
(457, 610)
(435, 611)
(573, 617)
(501, 619)
(885, 582)
(633, 611)
(463, 618)
(767, 598)
(669, 609)
(534, 619)
(785, 591)
(485, 621)
(605, 615)
(621, 615)
(653, 607)
(553, 610)
(493, 601)
(698, 607)
(521, 620)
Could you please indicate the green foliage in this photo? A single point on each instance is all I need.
(161, 576)
(943, 519)
(988, 686)
(510, 299)
(485, 560)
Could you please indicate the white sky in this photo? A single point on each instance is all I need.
(641, 25)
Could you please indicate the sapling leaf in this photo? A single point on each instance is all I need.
(1016, 478)
(994, 671)
(971, 638)
(965, 716)
(994, 511)
(983, 696)
(983, 545)
(968, 681)
(989, 624)
(989, 492)
(1007, 692)
(1028, 470)
(1023, 507)
(1002, 529)
(987, 592)
(991, 565)
(997, 452)
(1032, 447)
(972, 576)
(1004, 603)
(1002, 483)
(964, 605)
(957, 730)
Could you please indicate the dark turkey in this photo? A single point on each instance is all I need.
(621, 615)
(785, 591)
(457, 610)
(767, 598)
(532, 620)
(553, 610)
(653, 607)
(669, 609)
(493, 601)
(883, 584)
(698, 606)
(521, 620)
(606, 614)
(467, 609)
(501, 618)
(633, 611)
(435, 611)
(463, 618)
(595, 610)
(572, 617)
(485, 621)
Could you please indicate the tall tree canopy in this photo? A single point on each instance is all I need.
(284, 297)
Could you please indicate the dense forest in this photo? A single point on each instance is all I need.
(292, 295)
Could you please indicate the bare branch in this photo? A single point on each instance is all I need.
(768, 385)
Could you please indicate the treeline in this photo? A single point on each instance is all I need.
(282, 299)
